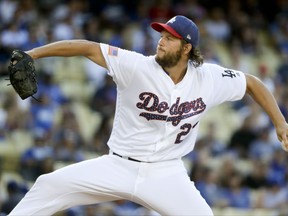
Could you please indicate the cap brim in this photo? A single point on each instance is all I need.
(164, 27)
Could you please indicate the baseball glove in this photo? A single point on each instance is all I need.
(22, 74)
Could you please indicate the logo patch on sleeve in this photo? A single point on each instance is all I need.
(113, 51)
(229, 73)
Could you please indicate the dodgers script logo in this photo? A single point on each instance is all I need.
(178, 111)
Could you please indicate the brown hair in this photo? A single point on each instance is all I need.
(195, 55)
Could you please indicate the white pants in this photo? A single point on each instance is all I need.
(163, 187)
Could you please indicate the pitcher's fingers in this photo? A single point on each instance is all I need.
(284, 145)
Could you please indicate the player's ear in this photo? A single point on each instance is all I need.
(187, 48)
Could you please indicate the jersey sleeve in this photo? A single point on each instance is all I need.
(121, 63)
(228, 84)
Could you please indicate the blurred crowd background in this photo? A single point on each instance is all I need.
(238, 164)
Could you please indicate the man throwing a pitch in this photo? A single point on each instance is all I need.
(160, 102)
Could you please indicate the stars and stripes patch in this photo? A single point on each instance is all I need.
(113, 51)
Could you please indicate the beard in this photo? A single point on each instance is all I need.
(169, 60)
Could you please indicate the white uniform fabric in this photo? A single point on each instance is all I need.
(156, 121)
(163, 187)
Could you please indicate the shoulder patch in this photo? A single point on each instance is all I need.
(229, 73)
(113, 51)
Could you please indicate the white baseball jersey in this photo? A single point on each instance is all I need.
(155, 118)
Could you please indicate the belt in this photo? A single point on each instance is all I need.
(128, 158)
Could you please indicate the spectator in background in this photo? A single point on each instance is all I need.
(208, 50)
(101, 136)
(91, 29)
(67, 149)
(238, 59)
(26, 13)
(274, 196)
(235, 195)
(161, 10)
(209, 143)
(67, 137)
(249, 40)
(43, 113)
(63, 29)
(38, 159)
(192, 9)
(7, 11)
(114, 13)
(103, 101)
(242, 138)
(104, 98)
(279, 32)
(283, 103)
(262, 148)
(198, 171)
(15, 194)
(33, 39)
(282, 70)
(14, 117)
(277, 167)
(208, 186)
(257, 177)
(52, 90)
(13, 36)
(4, 57)
(217, 26)
(266, 78)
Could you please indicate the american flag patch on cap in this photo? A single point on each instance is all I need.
(113, 51)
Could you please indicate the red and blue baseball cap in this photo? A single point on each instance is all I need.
(180, 27)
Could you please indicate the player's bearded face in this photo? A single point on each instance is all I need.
(169, 59)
